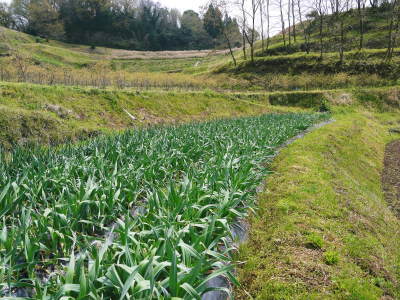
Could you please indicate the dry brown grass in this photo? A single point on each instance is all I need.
(19, 69)
(129, 54)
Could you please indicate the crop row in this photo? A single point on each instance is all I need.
(146, 214)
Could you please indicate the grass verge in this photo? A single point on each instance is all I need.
(324, 229)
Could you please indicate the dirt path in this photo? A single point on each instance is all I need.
(391, 176)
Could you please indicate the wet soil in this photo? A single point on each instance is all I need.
(391, 176)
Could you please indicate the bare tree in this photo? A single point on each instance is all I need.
(228, 28)
(341, 7)
(304, 28)
(282, 22)
(294, 21)
(361, 11)
(373, 3)
(244, 27)
(320, 9)
(250, 32)
(226, 31)
(262, 25)
(268, 22)
(289, 17)
(393, 28)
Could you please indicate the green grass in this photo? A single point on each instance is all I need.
(324, 230)
(376, 31)
(78, 225)
(25, 117)
(54, 53)
(59, 63)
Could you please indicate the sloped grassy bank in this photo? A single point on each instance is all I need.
(324, 229)
(54, 114)
(140, 215)
(34, 114)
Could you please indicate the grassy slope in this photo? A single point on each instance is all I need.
(376, 31)
(86, 111)
(290, 68)
(324, 229)
(27, 112)
(54, 53)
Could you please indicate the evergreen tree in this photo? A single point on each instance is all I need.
(213, 21)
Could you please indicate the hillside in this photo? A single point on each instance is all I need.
(36, 60)
(301, 65)
(375, 32)
(279, 68)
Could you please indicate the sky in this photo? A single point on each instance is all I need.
(183, 5)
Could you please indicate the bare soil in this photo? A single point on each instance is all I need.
(391, 176)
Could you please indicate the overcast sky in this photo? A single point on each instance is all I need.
(183, 5)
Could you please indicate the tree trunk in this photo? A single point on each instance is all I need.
(389, 51)
(321, 40)
(303, 27)
(253, 28)
(294, 22)
(283, 23)
(289, 31)
(244, 31)
(341, 39)
(262, 27)
(361, 9)
(230, 47)
(268, 25)
(244, 44)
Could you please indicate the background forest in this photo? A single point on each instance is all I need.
(138, 25)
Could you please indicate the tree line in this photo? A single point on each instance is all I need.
(305, 25)
(128, 24)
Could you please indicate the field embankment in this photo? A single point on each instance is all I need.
(324, 229)
(55, 114)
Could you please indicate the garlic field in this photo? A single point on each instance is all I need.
(145, 214)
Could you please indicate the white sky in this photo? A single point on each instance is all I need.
(183, 5)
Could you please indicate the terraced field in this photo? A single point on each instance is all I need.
(140, 215)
